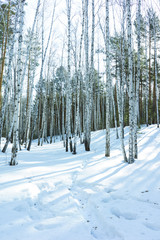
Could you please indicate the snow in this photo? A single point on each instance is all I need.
(52, 194)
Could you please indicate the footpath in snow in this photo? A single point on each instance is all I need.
(54, 195)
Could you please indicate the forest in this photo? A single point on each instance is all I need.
(79, 120)
(104, 75)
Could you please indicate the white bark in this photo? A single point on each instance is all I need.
(68, 90)
(114, 113)
(131, 94)
(156, 72)
(87, 134)
(146, 77)
(18, 88)
(8, 77)
(121, 92)
(136, 115)
(91, 78)
(44, 116)
(108, 83)
(98, 94)
(78, 127)
(53, 94)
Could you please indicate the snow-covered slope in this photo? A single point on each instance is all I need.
(53, 195)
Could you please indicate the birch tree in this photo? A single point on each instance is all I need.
(108, 83)
(8, 75)
(87, 134)
(68, 90)
(121, 93)
(146, 76)
(79, 78)
(18, 88)
(149, 70)
(92, 72)
(136, 114)
(131, 93)
(155, 67)
(52, 98)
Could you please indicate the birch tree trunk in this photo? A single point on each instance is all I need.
(121, 92)
(107, 147)
(68, 90)
(98, 95)
(76, 100)
(150, 100)
(91, 77)
(136, 115)
(87, 134)
(130, 64)
(46, 97)
(146, 77)
(78, 127)
(52, 125)
(63, 127)
(155, 66)
(18, 88)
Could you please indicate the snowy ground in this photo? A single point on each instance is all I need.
(53, 195)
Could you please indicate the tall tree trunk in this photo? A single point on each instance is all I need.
(114, 112)
(136, 115)
(92, 77)
(150, 101)
(18, 89)
(78, 123)
(87, 133)
(146, 77)
(98, 94)
(108, 83)
(52, 122)
(155, 66)
(68, 90)
(130, 64)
